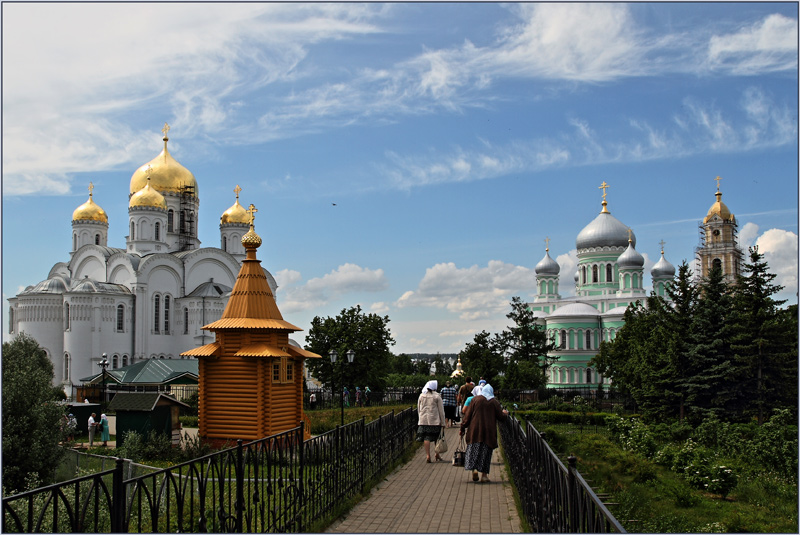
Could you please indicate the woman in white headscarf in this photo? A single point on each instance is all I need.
(104, 431)
(480, 422)
(431, 417)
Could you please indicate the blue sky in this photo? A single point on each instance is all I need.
(453, 139)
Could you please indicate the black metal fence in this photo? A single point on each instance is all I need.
(277, 484)
(325, 399)
(554, 498)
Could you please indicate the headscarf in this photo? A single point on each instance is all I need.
(430, 385)
(482, 382)
(487, 391)
(477, 391)
(103, 417)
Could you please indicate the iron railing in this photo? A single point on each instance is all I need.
(554, 498)
(277, 484)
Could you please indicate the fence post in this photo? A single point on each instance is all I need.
(118, 499)
(301, 491)
(363, 450)
(572, 499)
(239, 484)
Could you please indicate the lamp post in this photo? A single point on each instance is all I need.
(350, 356)
(103, 364)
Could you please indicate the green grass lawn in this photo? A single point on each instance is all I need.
(651, 498)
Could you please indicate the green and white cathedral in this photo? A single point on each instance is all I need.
(610, 277)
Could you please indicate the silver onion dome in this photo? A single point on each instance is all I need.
(547, 266)
(605, 231)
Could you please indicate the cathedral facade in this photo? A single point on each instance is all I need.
(610, 277)
(146, 300)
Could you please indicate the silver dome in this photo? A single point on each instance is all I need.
(547, 266)
(630, 258)
(574, 309)
(605, 231)
(662, 268)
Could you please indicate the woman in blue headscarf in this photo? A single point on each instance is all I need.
(480, 422)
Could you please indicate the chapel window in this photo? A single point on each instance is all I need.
(133, 237)
(114, 362)
(158, 231)
(66, 316)
(156, 310)
(594, 273)
(124, 360)
(588, 339)
(97, 239)
(588, 375)
(583, 274)
(225, 243)
(716, 264)
(166, 314)
(170, 215)
(120, 318)
(185, 321)
(563, 339)
(609, 273)
(66, 366)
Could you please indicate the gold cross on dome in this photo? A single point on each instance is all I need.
(236, 190)
(630, 234)
(661, 243)
(252, 211)
(718, 179)
(91, 187)
(604, 187)
(547, 243)
(165, 130)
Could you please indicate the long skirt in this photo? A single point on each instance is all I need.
(428, 432)
(478, 457)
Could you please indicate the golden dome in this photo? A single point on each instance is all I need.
(148, 197)
(236, 213)
(719, 208)
(167, 175)
(89, 211)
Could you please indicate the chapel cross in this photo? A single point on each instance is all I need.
(718, 179)
(661, 243)
(603, 187)
(547, 243)
(165, 130)
(236, 190)
(91, 187)
(252, 211)
(630, 233)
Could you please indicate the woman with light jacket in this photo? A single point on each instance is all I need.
(430, 410)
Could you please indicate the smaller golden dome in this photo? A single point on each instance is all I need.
(251, 240)
(89, 211)
(236, 213)
(719, 208)
(148, 197)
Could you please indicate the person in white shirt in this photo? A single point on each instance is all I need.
(92, 429)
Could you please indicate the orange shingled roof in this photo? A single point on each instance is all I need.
(260, 350)
(300, 352)
(208, 350)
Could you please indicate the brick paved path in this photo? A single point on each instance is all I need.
(436, 498)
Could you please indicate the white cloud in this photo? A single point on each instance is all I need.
(768, 45)
(472, 293)
(346, 279)
(379, 307)
(747, 235)
(779, 248)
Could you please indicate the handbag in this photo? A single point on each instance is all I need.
(460, 455)
(441, 443)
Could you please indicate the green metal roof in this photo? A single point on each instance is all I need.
(136, 401)
(150, 372)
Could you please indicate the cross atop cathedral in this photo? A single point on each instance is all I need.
(165, 130)
(91, 187)
(661, 243)
(718, 179)
(604, 187)
(252, 211)
(236, 190)
(630, 235)
(547, 243)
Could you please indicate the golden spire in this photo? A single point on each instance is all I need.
(165, 131)
(604, 187)
(251, 240)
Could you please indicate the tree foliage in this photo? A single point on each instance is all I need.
(367, 335)
(525, 348)
(31, 416)
(713, 348)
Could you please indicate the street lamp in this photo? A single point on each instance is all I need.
(103, 364)
(350, 356)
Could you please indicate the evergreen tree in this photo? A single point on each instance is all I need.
(481, 357)
(765, 352)
(526, 348)
(31, 416)
(710, 355)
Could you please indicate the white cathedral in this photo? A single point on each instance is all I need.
(148, 300)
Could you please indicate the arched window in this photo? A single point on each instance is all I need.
(594, 273)
(170, 215)
(563, 339)
(185, 321)
(583, 274)
(66, 367)
(716, 264)
(158, 231)
(97, 239)
(156, 310)
(66, 316)
(74, 241)
(635, 281)
(225, 243)
(183, 222)
(166, 314)
(133, 237)
(588, 339)
(609, 273)
(114, 362)
(120, 318)
(588, 375)
(124, 360)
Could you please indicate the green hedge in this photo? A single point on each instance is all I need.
(560, 417)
